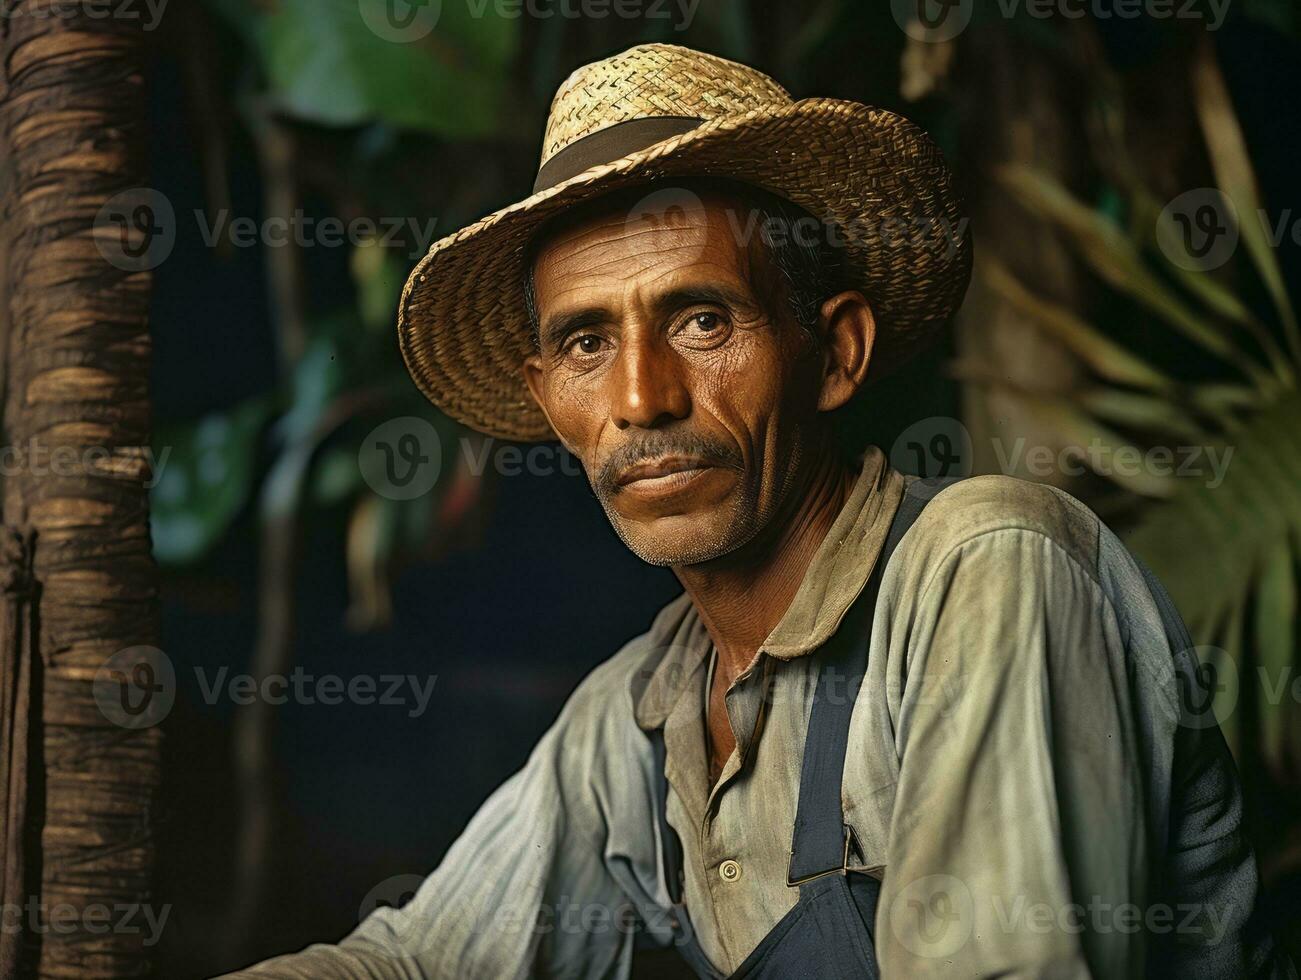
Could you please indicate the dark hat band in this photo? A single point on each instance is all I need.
(610, 144)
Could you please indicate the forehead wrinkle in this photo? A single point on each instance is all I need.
(626, 238)
(616, 255)
(599, 226)
(619, 267)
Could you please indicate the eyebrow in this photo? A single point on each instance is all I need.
(560, 326)
(676, 299)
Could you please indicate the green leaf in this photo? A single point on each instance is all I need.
(1114, 257)
(1135, 410)
(325, 62)
(1233, 172)
(372, 536)
(379, 277)
(204, 480)
(336, 476)
(1206, 537)
(1276, 608)
(318, 377)
(1223, 401)
(1077, 428)
(1103, 356)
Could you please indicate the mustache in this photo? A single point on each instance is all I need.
(656, 445)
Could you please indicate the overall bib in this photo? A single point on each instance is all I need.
(829, 932)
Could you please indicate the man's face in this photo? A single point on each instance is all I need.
(671, 365)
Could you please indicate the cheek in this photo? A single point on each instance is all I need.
(751, 387)
(575, 406)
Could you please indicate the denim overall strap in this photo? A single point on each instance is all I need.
(828, 934)
(821, 842)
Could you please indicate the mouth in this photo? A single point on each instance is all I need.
(666, 475)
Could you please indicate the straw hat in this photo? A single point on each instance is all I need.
(659, 110)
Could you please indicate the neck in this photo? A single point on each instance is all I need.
(742, 596)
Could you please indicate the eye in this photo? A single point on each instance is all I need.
(705, 322)
(588, 343)
(703, 330)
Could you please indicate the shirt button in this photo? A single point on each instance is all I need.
(729, 870)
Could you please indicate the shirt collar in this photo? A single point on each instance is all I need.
(837, 574)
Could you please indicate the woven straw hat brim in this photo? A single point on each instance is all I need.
(462, 323)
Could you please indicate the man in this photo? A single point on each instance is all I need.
(1009, 791)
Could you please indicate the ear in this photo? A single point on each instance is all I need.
(848, 329)
(532, 369)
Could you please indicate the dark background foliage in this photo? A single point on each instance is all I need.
(272, 364)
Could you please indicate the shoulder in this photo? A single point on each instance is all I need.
(1000, 513)
(601, 758)
(602, 705)
(1002, 574)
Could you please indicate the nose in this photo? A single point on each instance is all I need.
(647, 387)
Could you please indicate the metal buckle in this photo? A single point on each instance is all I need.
(844, 862)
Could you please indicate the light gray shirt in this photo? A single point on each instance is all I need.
(1007, 774)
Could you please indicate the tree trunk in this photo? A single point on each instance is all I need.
(1020, 106)
(77, 419)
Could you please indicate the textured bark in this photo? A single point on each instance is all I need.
(77, 377)
(17, 663)
(1019, 106)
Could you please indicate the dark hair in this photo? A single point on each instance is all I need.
(811, 270)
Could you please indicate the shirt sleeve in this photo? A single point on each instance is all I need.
(1018, 834)
(524, 890)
